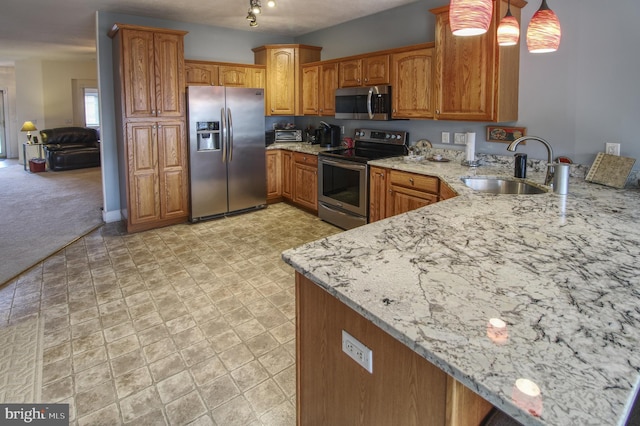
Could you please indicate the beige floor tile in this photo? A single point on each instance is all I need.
(188, 324)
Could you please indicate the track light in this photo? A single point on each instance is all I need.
(271, 3)
(255, 6)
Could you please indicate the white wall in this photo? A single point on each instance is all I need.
(29, 99)
(57, 86)
(8, 84)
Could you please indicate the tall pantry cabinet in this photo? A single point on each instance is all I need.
(151, 125)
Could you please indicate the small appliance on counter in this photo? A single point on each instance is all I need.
(328, 135)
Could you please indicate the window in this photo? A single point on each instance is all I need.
(91, 107)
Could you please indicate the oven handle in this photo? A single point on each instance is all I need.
(344, 165)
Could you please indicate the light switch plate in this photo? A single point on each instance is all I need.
(459, 139)
(445, 137)
(612, 148)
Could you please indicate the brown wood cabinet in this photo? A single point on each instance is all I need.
(403, 389)
(150, 113)
(412, 73)
(366, 71)
(377, 193)
(287, 175)
(475, 79)
(305, 180)
(319, 84)
(283, 92)
(274, 175)
(204, 73)
(392, 192)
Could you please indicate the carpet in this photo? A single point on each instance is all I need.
(21, 361)
(41, 213)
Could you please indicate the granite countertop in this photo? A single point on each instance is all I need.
(561, 271)
(304, 147)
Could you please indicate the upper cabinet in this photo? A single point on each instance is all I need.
(153, 72)
(319, 84)
(412, 81)
(203, 73)
(475, 79)
(283, 92)
(367, 71)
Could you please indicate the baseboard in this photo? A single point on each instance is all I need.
(111, 216)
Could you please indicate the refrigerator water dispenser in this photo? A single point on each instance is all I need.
(208, 135)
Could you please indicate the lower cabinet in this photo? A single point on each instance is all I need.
(274, 176)
(305, 181)
(293, 177)
(157, 181)
(403, 389)
(392, 192)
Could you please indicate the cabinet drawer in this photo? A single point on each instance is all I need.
(309, 159)
(415, 181)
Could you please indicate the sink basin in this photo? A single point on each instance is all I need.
(501, 186)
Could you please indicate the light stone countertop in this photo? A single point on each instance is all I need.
(561, 271)
(304, 147)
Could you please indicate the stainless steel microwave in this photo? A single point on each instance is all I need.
(364, 103)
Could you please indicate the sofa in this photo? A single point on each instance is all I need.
(71, 147)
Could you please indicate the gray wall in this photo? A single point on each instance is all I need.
(578, 98)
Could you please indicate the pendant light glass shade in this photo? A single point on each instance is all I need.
(543, 33)
(509, 29)
(470, 17)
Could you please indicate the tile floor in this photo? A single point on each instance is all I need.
(189, 324)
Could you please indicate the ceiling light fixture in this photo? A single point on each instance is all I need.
(271, 3)
(509, 29)
(255, 6)
(543, 33)
(470, 17)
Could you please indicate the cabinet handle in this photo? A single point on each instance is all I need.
(411, 180)
(437, 111)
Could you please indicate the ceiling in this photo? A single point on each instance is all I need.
(64, 29)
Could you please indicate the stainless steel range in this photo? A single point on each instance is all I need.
(343, 175)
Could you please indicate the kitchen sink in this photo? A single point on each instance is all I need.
(501, 186)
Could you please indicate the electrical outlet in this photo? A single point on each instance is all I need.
(445, 137)
(612, 148)
(357, 351)
(342, 130)
(460, 138)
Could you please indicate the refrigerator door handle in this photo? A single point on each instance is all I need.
(230, 129)
(223, 119)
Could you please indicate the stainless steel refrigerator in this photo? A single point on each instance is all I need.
(226, 150)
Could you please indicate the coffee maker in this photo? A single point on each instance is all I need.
(327, 135)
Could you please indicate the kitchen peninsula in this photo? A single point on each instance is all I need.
(561, 272)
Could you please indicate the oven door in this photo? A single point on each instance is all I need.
(343, 185)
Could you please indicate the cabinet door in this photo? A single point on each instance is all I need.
(377, 193)
(172, 169)
(257, 77)
(310, 90)
(401, 200)
(198, 74)
(328, 86)
(446, 191)
(350, 73)
(274, 175)
(232, 76)
(376, 70)
(169, 73)
(287, 175)
(412, 95)
(281, 70)
(143, 183)
(138, 79)
(305, 192)
(464, 80)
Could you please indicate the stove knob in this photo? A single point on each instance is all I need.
(387, 136)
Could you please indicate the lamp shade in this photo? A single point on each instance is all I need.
(508, 30)
(470, 17)
(28, 127)
(543, 33)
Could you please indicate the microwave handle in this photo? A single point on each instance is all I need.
(370, 100)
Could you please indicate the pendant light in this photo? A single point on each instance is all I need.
(470, 17)
(543, 33)
(508, 30)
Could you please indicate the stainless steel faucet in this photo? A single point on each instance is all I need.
(550, 169)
